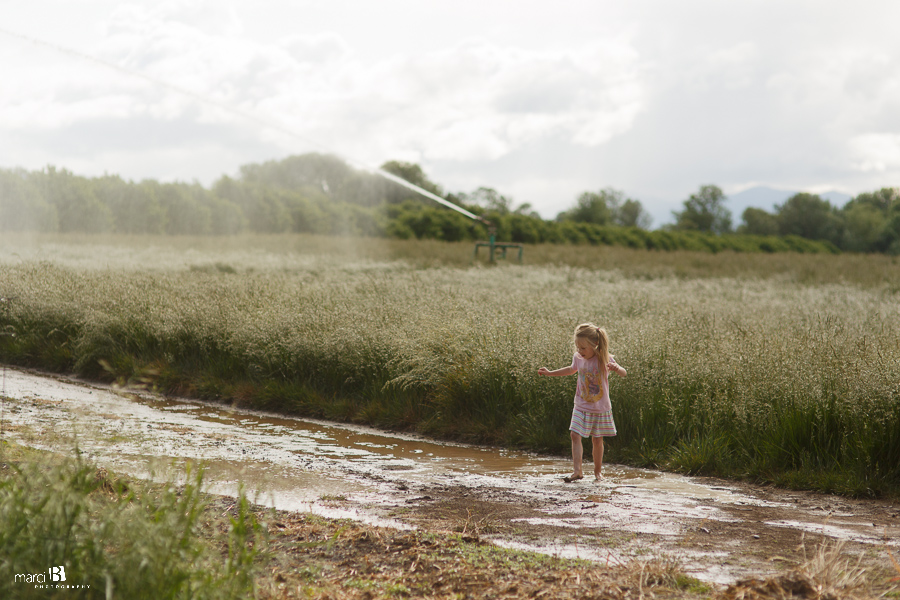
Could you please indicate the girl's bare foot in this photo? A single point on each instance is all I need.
(598, 476)
(573, 477)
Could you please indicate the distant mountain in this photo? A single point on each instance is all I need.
(766, 198)
(836, 198)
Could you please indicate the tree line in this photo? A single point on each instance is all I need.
(869, 222)
(317, 193)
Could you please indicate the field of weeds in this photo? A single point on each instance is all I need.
(773, 368)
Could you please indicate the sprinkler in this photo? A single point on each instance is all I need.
(494, 246)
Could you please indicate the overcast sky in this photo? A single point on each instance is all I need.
(539, 100)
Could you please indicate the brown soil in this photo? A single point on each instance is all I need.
(316, 558)
(451, 553)
(752, 545)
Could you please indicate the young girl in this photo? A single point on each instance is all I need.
(592, 415)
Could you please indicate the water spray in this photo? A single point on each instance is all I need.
(269, 124)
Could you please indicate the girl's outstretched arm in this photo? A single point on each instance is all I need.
(616, 368)
(562, 371)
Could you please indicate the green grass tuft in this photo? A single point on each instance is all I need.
(114, 538)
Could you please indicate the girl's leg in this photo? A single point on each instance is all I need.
(577, 452)
(598, 456)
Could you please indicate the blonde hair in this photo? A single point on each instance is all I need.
(597, 338)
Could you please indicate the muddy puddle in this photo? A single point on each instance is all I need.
(719, 531)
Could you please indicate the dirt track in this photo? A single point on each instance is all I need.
(718, 531)
(772, 532)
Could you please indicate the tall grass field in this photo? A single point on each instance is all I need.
(772, 368)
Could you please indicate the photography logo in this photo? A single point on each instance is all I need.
(54, 574)
(54, 578)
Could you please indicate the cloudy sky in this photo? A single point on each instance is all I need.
(539, 100)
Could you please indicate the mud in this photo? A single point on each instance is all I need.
(719, 531)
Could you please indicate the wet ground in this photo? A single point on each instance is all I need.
(719, 531)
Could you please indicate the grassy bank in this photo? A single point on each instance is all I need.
(778, 370)
(115, 538)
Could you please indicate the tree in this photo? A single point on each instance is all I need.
(863, 226)
(490, 199)
(631, 213)
(320, 173)
(590, 207)
(135, 208)
(22, 206)
(704, 211)
(412, 173)
(868, 220)
(188, 213)
(757, 221)
(809, 216)
(889, 240)
(78, 207)
(527, 210)
(883, 200)
(227, 217)
(609, 206)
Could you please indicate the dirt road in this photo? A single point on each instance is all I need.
(719, 531)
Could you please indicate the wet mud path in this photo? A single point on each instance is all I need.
(719, 531)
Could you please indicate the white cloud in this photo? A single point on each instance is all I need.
(876, 151)
(652, 99)
(709, 68)
(316, 50)
(473, 101)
